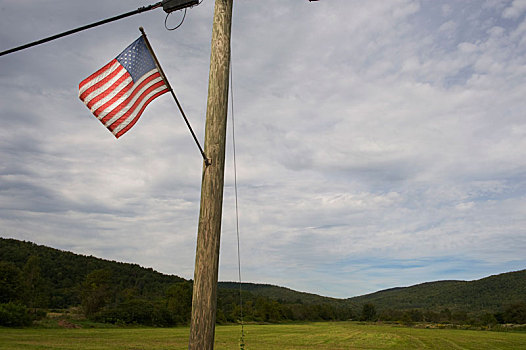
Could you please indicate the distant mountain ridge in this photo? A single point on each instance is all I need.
(62, 271)
(487, 294)
(284, 294)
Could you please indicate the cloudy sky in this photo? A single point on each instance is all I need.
(379, 143)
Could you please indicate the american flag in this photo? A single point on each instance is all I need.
(118, 93)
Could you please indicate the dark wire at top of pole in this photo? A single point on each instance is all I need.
(88, 26)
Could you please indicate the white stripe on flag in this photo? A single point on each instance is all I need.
(103, 88)
(130, 103)
(137, 109)
(113, 92)
(98, 78)
(123, 98)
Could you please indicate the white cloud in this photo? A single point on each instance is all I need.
(448, 27)
(516, 9)
(379, 143)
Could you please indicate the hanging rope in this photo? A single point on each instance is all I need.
(242, 340)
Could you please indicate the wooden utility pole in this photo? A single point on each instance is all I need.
(204, 299)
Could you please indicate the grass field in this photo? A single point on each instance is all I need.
(322, 335)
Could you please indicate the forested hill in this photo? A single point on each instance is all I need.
(62, 270)
(39, 277)
(42, 277)
(487, 294)
(280, 293)
(60, 273)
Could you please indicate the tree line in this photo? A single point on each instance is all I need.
(514, 313)
(25, 293)
(35, 279)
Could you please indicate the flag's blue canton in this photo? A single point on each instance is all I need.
(136, 59)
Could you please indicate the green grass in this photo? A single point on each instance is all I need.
(319, 336)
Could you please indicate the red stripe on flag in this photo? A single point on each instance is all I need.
(100, 83)
(109, 90)
(108, 104)
(97, 73)
(128, 100)
(132, 123)
(125, 116)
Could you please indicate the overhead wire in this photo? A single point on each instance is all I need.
(95, 24)
(88, 26)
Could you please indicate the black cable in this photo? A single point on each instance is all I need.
(72, 31)
(174, 28)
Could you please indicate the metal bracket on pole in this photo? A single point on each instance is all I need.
(175, 5)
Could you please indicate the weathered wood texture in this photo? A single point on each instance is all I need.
(204, 300)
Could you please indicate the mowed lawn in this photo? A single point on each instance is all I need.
(321, 335)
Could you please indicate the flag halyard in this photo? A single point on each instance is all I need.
(118, 93)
